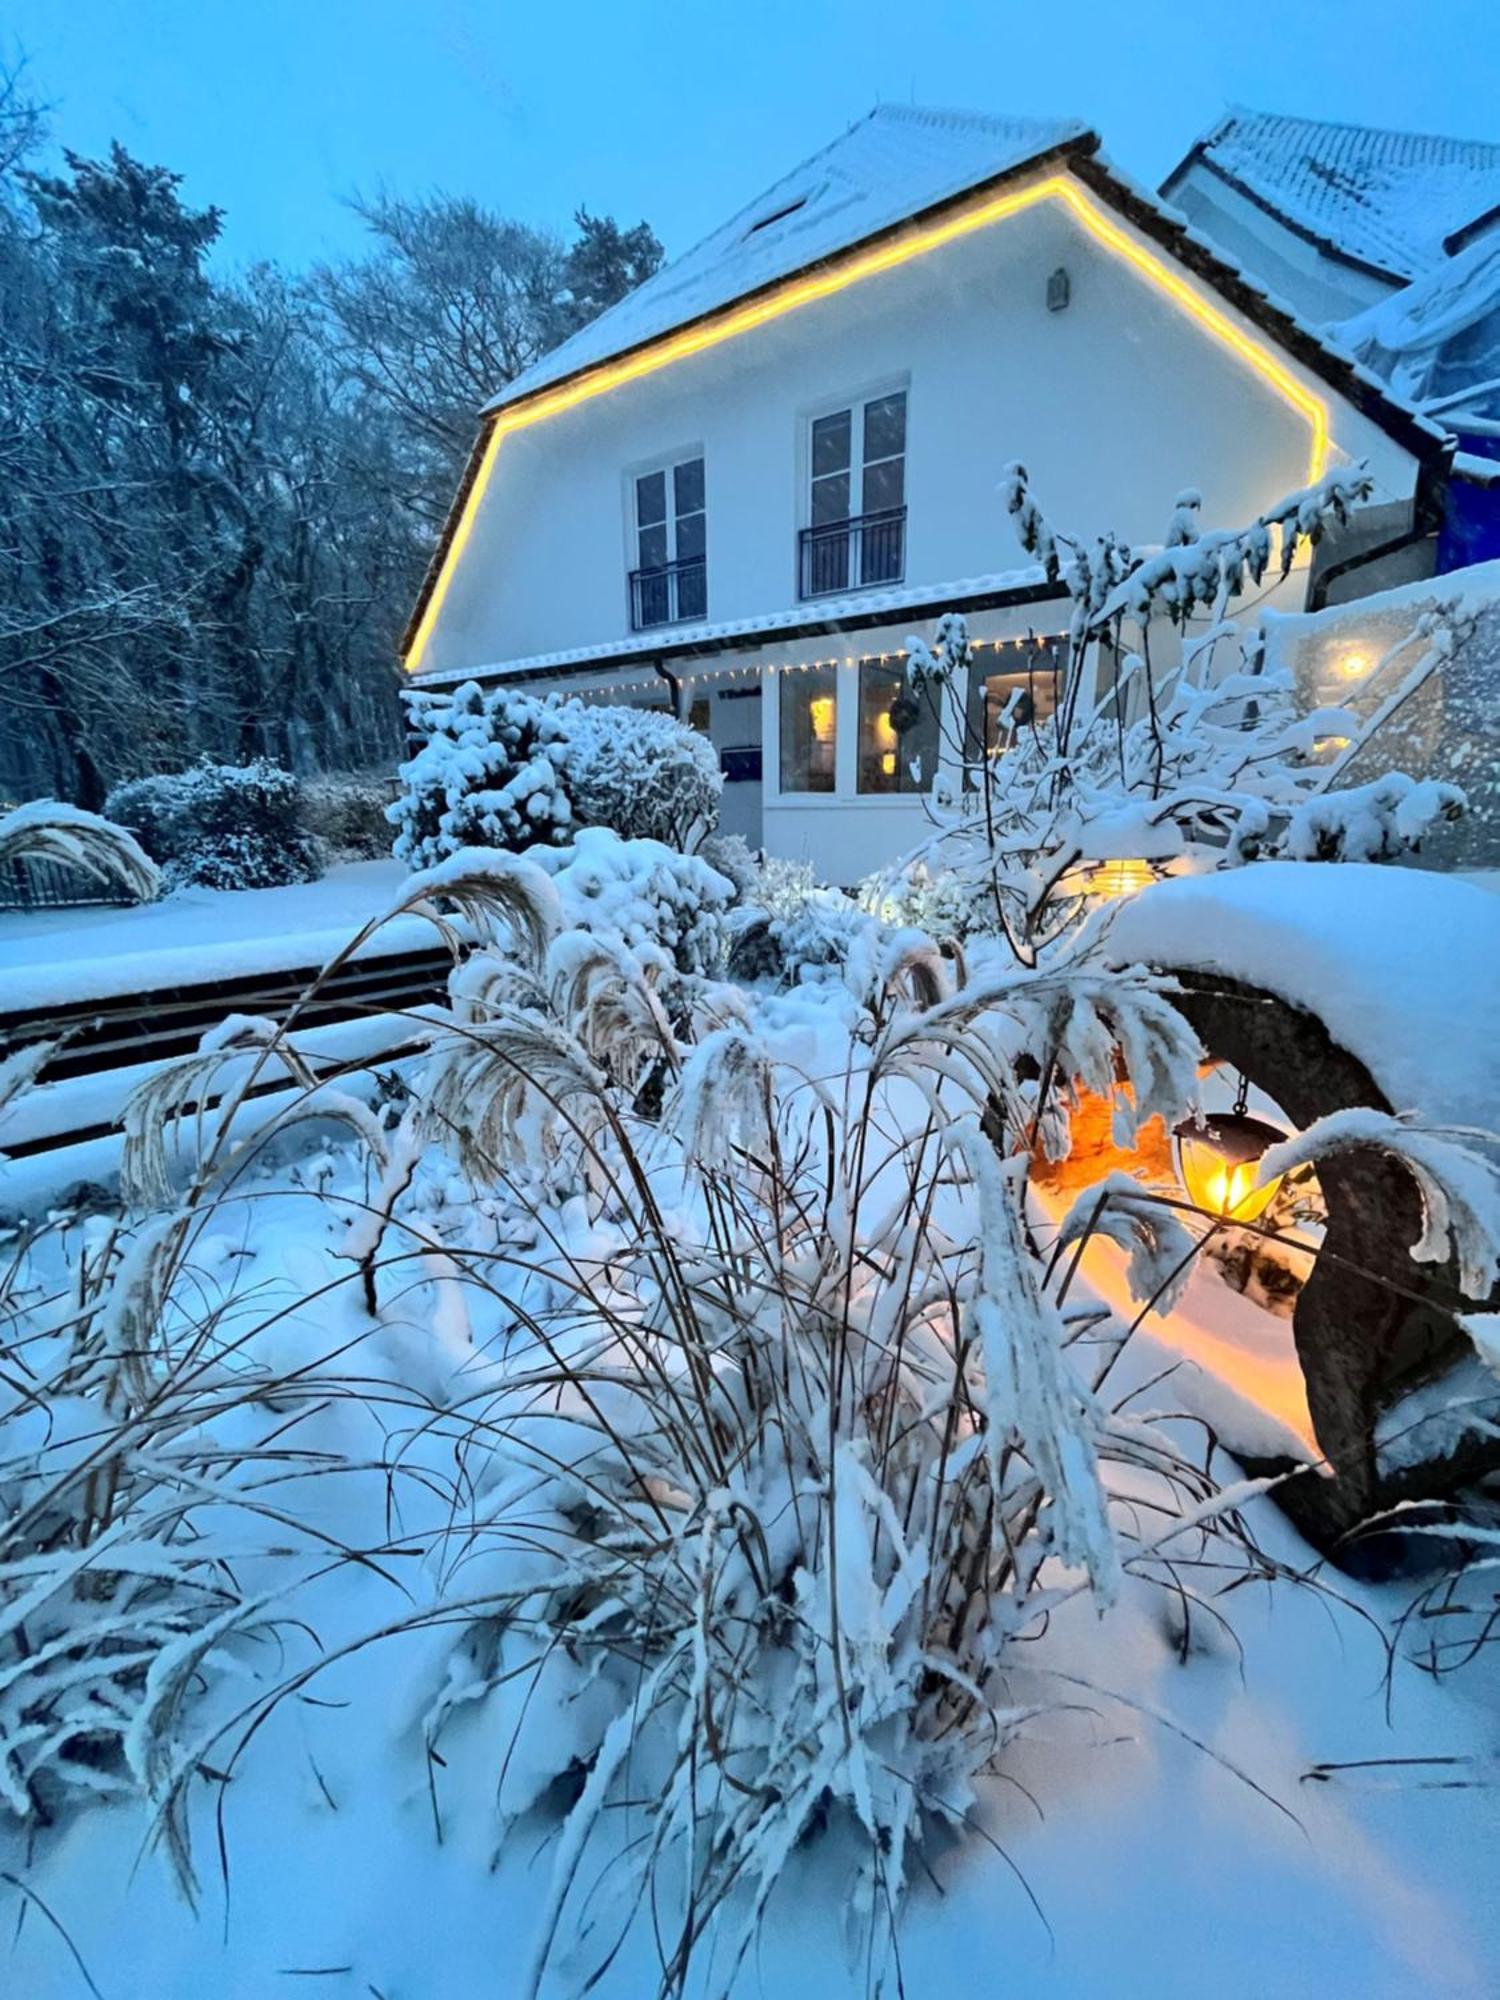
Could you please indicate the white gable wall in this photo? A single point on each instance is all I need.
(1113, 404)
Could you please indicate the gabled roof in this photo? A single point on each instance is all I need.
(1396, 203)
(912, 176)
(894, 163)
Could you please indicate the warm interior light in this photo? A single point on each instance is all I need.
(1352, 666)
(851, 270)
(1107, 881)
(1217, 1163)
(820, 709)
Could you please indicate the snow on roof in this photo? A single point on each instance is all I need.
(1358, 944)
(894, 163)
(865, 606)
(1438, 339)
(1389, 199)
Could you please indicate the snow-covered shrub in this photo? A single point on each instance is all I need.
(644, 896)
(732, 855)
(1210, 757)
(498, 768)
(489, 773)
(792, 929)
(346, 814)
(640, 772)
(221, 826)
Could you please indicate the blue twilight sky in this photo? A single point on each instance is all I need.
(678, 110)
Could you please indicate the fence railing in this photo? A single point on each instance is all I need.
(52, 885)
(668, 595)
(850, 555)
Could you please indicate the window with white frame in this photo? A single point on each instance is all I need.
(809, 729)
(856, 532)
(898, 732)
(1006, 702)
(669, 583)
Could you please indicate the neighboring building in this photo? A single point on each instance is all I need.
(1391, 241)
(746, 484)
(1331, 218)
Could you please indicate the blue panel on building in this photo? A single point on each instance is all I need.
(1471, 520)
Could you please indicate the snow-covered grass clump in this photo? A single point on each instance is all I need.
(50, 832)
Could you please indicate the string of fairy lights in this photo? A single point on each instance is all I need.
(1030, 646)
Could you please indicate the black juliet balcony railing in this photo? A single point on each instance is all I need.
(853, 554)
(672, 594)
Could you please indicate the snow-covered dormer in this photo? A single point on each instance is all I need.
(743, 487)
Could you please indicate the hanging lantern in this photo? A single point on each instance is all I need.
(1217, 1161)
(1108, 881)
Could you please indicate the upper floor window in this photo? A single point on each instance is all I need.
(670, 581)
(856, 533)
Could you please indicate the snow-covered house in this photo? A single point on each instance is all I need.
(1334, 218)
(745, 485)
(1391, 239)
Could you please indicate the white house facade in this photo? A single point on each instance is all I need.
(741, 489)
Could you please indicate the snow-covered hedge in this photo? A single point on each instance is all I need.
(346, 814)
(498, 768)
(221, 826)
(640, 772)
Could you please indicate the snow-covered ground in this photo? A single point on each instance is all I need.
(353, 1866)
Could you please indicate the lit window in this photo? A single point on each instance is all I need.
(809, 729)
(670, 583)
(1011, 700)
(898, 732)
(698, 714)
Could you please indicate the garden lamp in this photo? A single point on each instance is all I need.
(1217, 1160)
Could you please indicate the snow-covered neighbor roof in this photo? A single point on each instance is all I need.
(1392, 200)
(1438, 340)
(1402, 966)
(894, 163)
(866, 607)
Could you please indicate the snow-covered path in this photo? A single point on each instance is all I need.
(49, 956)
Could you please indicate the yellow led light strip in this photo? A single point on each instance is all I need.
(868, 264)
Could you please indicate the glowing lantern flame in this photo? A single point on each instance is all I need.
(1217, 1162)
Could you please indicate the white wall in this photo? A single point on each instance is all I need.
(1322, 290)
(1114, 405)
